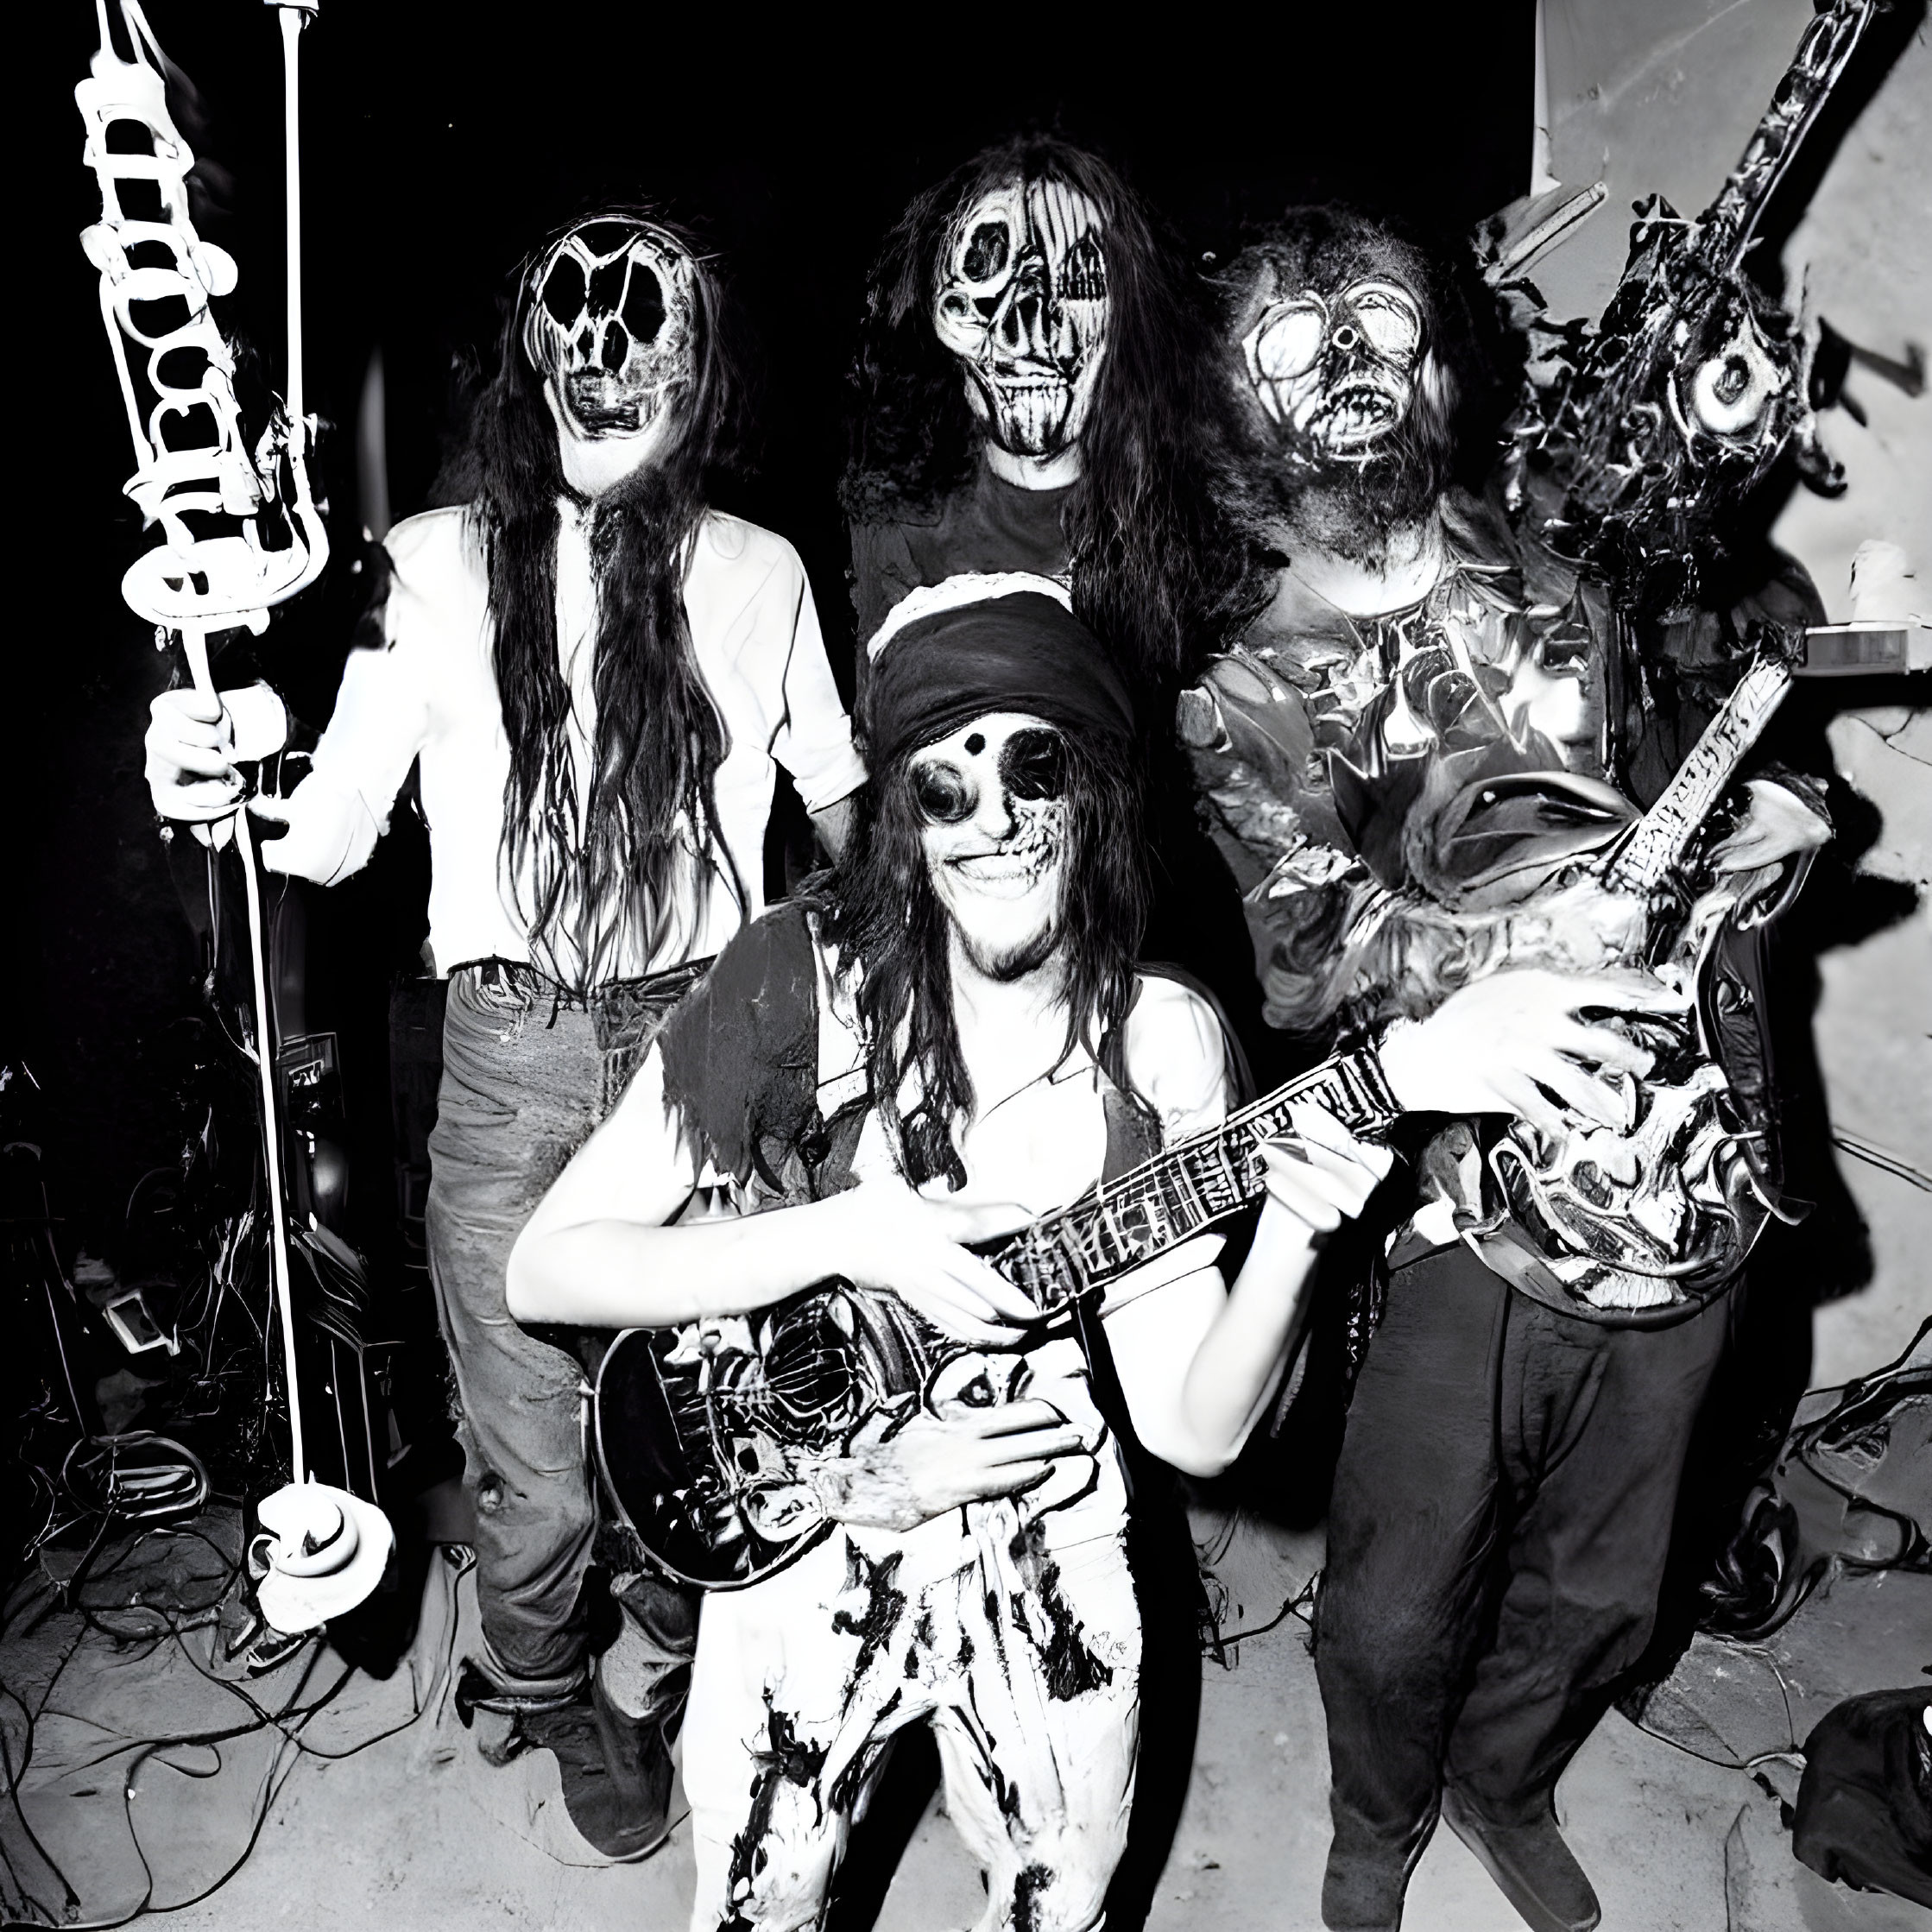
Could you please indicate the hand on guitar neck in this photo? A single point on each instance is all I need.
(1495, 1046)
(1778, 825)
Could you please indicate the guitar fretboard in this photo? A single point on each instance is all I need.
(1180, 1192)
(1660, 837)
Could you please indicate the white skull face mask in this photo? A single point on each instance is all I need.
(1339, 372)
(1022, 301)
(609, 328)
(991, 797)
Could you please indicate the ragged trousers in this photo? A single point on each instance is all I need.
(1025, 1662)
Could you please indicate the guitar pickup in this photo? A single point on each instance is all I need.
(1865, 650)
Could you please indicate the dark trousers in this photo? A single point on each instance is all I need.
(525, 1081)
(1501, 1517)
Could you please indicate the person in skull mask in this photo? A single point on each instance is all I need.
(962, 1004)
(1415, 648)
(1037, 390)
(597, 674)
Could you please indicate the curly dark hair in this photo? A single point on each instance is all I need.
(649, 826)
(1153, 559)
(880, 908)
(1452, 432)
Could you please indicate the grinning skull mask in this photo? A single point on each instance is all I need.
(608, 326)
(1022, 301)
(991, 798)
(1338, 371)
(1351, 347)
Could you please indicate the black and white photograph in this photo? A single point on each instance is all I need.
(970, 971)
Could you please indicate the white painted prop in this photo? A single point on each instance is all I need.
(212, 571)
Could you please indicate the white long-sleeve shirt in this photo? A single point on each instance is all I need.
(431, 694)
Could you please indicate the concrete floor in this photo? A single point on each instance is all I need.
(416, 1831)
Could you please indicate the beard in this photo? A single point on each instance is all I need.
(1005, 961)
(1349, 509)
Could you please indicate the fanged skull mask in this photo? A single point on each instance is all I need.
(1338, 371)
(1022, 301)
(609, 326)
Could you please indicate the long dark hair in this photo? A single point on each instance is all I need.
(1152, 565)
(650, 822)
(883, 912)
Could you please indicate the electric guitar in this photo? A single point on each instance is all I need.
(704, 1434)
(1640, 1227)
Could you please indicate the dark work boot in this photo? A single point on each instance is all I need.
(1533, 1867)
(1363, 1886)
(479, 1692)
(615, 1769)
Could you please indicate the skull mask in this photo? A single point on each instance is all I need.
(1338, 371)
(991, 798)
(1022, 301)
(608, 326)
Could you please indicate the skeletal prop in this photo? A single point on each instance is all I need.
(1022, 301)
(194, 473)
(216, 501)
(609, 326)
(1340, 373)
(1655, 425)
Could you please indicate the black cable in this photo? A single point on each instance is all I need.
(290, 1720)
(1306, 1594)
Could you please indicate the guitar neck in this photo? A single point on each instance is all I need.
(1184, 1190)
(1658, 840)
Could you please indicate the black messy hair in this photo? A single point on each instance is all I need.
(881, 911)
(649, 824)
(1453, 432)
(1152, 562)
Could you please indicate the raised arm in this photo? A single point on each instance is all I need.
(380, 721)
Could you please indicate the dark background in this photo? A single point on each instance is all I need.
(439, 142)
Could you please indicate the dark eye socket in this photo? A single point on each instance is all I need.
(1563, 653)
(1083, 273)
(643, 309)
(986, 251)
(1034, 765)
(563, 290)
(944, 793)
(1733, 379)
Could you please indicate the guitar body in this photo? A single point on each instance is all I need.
(1642, 1226)
(702, 1433)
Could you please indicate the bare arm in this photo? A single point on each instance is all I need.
(1198, 1362)
(597, 1252)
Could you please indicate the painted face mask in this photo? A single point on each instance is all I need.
(991, 800)
(609, 327)
(1338, 371)
(1022, 301)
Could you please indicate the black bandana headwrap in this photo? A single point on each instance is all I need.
(1018, 648)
